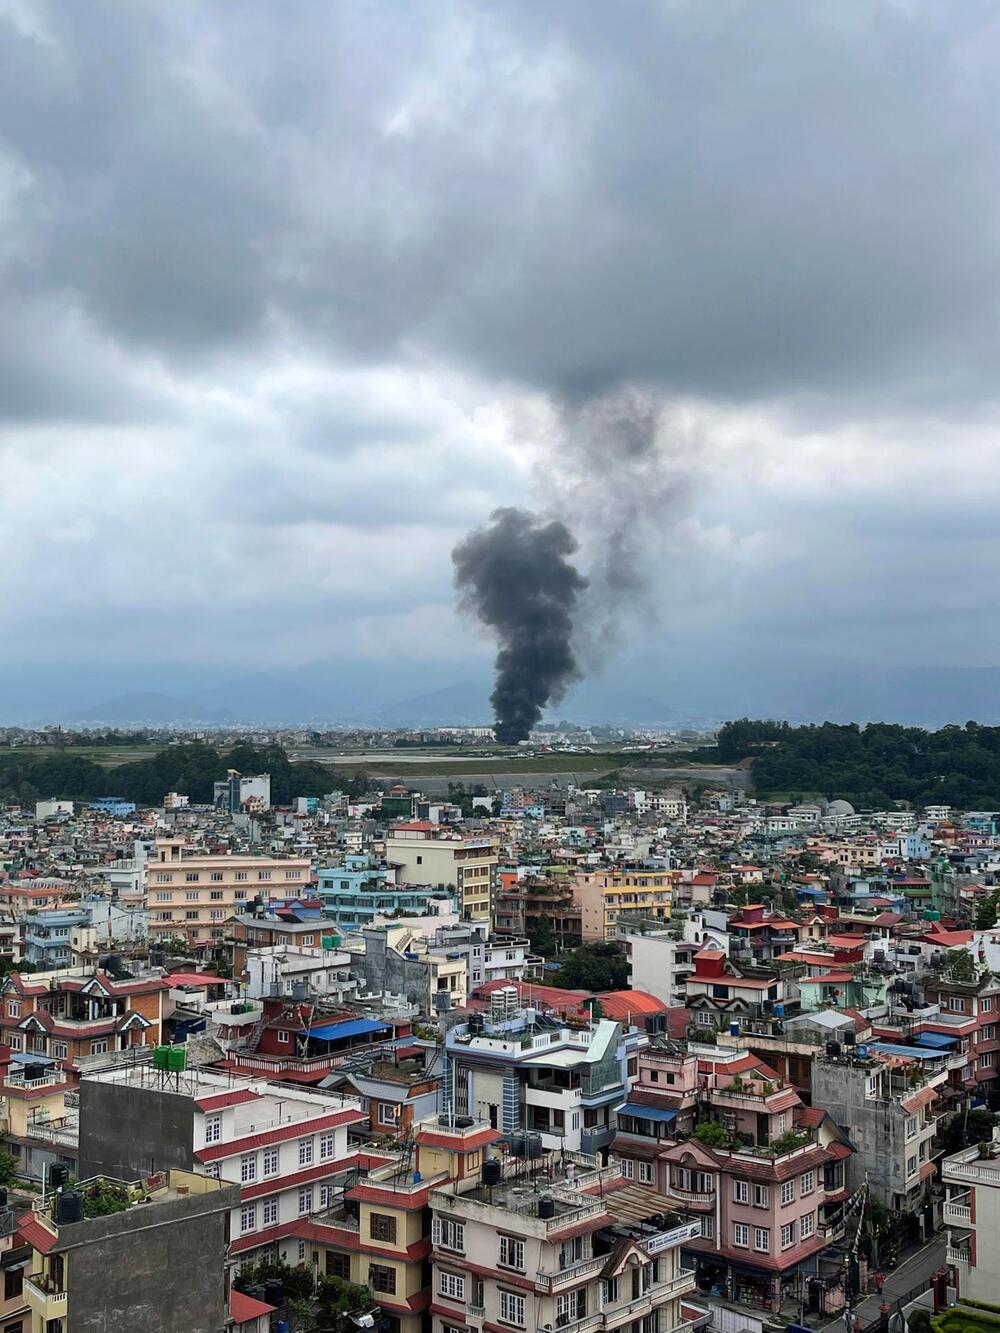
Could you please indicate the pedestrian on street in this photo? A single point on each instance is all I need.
(879, 1280)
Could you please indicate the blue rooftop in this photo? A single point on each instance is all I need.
(646, 1112)
(939, 1041)
(348, 1027)
(911, 1052)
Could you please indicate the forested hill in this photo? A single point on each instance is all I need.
(188, 769)
(870, 766)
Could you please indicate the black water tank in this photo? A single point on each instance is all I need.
(464, 1122)
(848, 1038)
(533, 1146)
(546, 1207)
(255, 1291)
(833, 1049)
(69, 1208)
(492, 1171)
(58, 1175)
(274, 1292)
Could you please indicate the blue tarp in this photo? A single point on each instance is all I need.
(646, 1112)
(938, 1041)
(891, 1048)
(348, 1027)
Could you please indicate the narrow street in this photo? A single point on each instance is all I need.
(912, 1272)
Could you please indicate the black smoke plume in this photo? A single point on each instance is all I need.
(515, 576)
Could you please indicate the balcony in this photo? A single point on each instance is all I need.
(954, 1213)
(550, 1282)
(953, 1256)
(45, 1297)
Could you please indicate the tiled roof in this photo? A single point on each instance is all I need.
(243, 1308)
(36, 1235)
(219, 1100)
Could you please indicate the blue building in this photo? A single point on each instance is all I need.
(362, 888)
(112, 805)
(47, 936)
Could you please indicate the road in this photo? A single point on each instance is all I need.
(914, 1271)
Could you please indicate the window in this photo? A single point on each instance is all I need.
(512, 1308)
(387, 1113)
(704, 1017)
(449, 1234)
(270, 1212)
(191, 895)
(164, 896)
(741, 1191)
(99, 1047)
(216, 895)
(512, 1253)
(787, 1235)
(708, 1226)
(13, 1285)
(13, 1009)
(628, 1168)
(761, 1238)
(382, 1226)
(328, 1195)
(761, 1196)
(808, 1182)
(192, 877)
(305, 1152)
(382, 1278)
(191, 914)
(305, 1200)
(307, 939)
(807, 1225)
(302, 1250)
(741, 1235)
(327, 1146)
(240, 876)
(164, 877)
(645, 1173)
(609, 1291)
(571, 1306)
(263, 874)
(213, 1128)
(788, 1192)
(216, 876)
(873, 1085)
(59, 1050)
(248, 1217)
(986, 1004)
(911, 1166)
(291, 874)
(248, 1168)
(911, 1126)
(283, 1037)
(956, 1002)
(782, 1122)
(452, 1286)
(338, 1265)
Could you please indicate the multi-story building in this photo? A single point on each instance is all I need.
(426, 853)
(657, 963)
(193, 895)
(489, 958)
(283, 1146)
(762, 1188)
(533, 1073)
(392, 960)
(889, 1106)
(718, 991)
(158, 1262)
(555, 1247)
(971, 1213)
(967, 1022)
(236, 792)
(532, 906)
(15, 1260)
(604, 894)
(65, 1017)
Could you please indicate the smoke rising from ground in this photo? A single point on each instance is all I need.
(515, 576)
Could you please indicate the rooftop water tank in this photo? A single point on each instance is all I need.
(69, 1208)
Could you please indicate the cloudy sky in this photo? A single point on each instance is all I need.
(292, 295)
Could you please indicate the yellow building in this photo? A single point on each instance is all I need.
(427, 853)
(604, 894)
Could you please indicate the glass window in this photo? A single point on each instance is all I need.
(788, 1191)
(270, 1162)
(270, 1212)
(741, 1191)
(382, 1226)
(305, 1200)
(761, 1238)
(248, 1168)
(787, 1235)
(512, 1308)
(512, 1253)
(248, 1217)
(305, 1152)
(452, 1286)
(741, 1235)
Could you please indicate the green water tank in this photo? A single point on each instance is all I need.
(176, 1059)
(161, 1057)
(331, 941)
(931, 915)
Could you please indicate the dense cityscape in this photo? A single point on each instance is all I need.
(529, 1055)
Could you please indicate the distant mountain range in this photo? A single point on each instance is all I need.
(704, 688)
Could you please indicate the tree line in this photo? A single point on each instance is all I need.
(191, 769)
(873, 765)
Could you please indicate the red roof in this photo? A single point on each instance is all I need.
(292, 1131)
(36, 1235)
(828, 978)
(244, 1308)
(221, 1099)
(194, 979)
(619, 1004)
(457, 1141)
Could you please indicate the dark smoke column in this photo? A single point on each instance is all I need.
(516, 578)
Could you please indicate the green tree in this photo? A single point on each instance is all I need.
(543, 937)
(986, 912)
(965, 1129)
(8, 1169)
(595, 967)
(711, 1134)
(961, 964)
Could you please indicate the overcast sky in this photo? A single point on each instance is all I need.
(291, 295)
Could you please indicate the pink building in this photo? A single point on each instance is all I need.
(766, 1182)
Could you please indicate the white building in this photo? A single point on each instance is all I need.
(285, 970)
(971, 1213)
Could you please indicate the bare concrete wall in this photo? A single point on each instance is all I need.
(128, 1132)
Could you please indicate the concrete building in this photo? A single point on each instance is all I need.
(891, 1112)
(488, 959)
(308, 972)
(15, 1262)
(532, 1073)
(236, 793)
(426, 853)
(158, 1263)
(604, 894)
(52, 810)
(554, 1247)
(282, 1146)
(657, 963)
(192, 895)
(392, 960)
(116, 806)
(971, 1213)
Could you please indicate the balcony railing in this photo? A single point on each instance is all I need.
(957, 1214)
(953, 1256)
(549, 1282)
